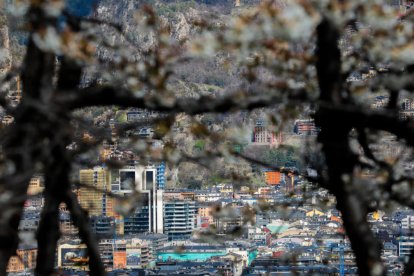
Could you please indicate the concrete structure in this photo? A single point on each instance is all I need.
(273, 177)
(205, 216)
(103, 226)
(405, 245)
(148, 217)
(106, 250)
(389, 248)
(36, 185)
(229, 223)
(225, 188)
(260, 236)
(380, 102)
(131, 253)
(161, 176)
(263, 136)
(407, 104)
(207, 196)
(96, 202)
(155, 240)
(407, 223)
(179, 219)
(407, 109)
(305, 127)
(65, 224)
(24, 261)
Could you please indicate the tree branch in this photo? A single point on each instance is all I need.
(340, 160)
(112, 96)
(80, 219)
(48, 236)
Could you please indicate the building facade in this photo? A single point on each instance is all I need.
(148, 216)
(405, 246)
(94, 199)
(305, 127)
(179, 219)
(262, 135)
(24, 261)
(161, 176)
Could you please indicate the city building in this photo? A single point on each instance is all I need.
(225, 188)
(155, 240)
(102, 226)
(389, 248)
(6, 120)
(73, 256)
(95, 199)
(35, 201)
(36, 185)
(407, 104)
(263, 136)
(380, 102)
(106, 251)
(24, 261)
(305, 127)
(207, 196)
(260, 236)
(135, 114)
(229, 223)
(140, 221)
(179, 219)
(407, 109)
(407, 223)
(161, 176)
(205, 216)
(66, 225)
(148, 216)
(131, 253)
(273, 177)
(405, 245)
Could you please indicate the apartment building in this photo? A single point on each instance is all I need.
(148, 216)
(179, 219)
(94, 199)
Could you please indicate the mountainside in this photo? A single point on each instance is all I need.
(5, 57)
(191, 78)
(212, 76)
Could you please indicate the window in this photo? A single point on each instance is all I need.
(127, 180)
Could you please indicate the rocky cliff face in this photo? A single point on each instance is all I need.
(191, 79)
(125, 12)
(5, 57)
(181, 30)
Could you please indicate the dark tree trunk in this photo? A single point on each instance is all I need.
(339, 158)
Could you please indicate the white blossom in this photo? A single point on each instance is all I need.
(49, 41)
